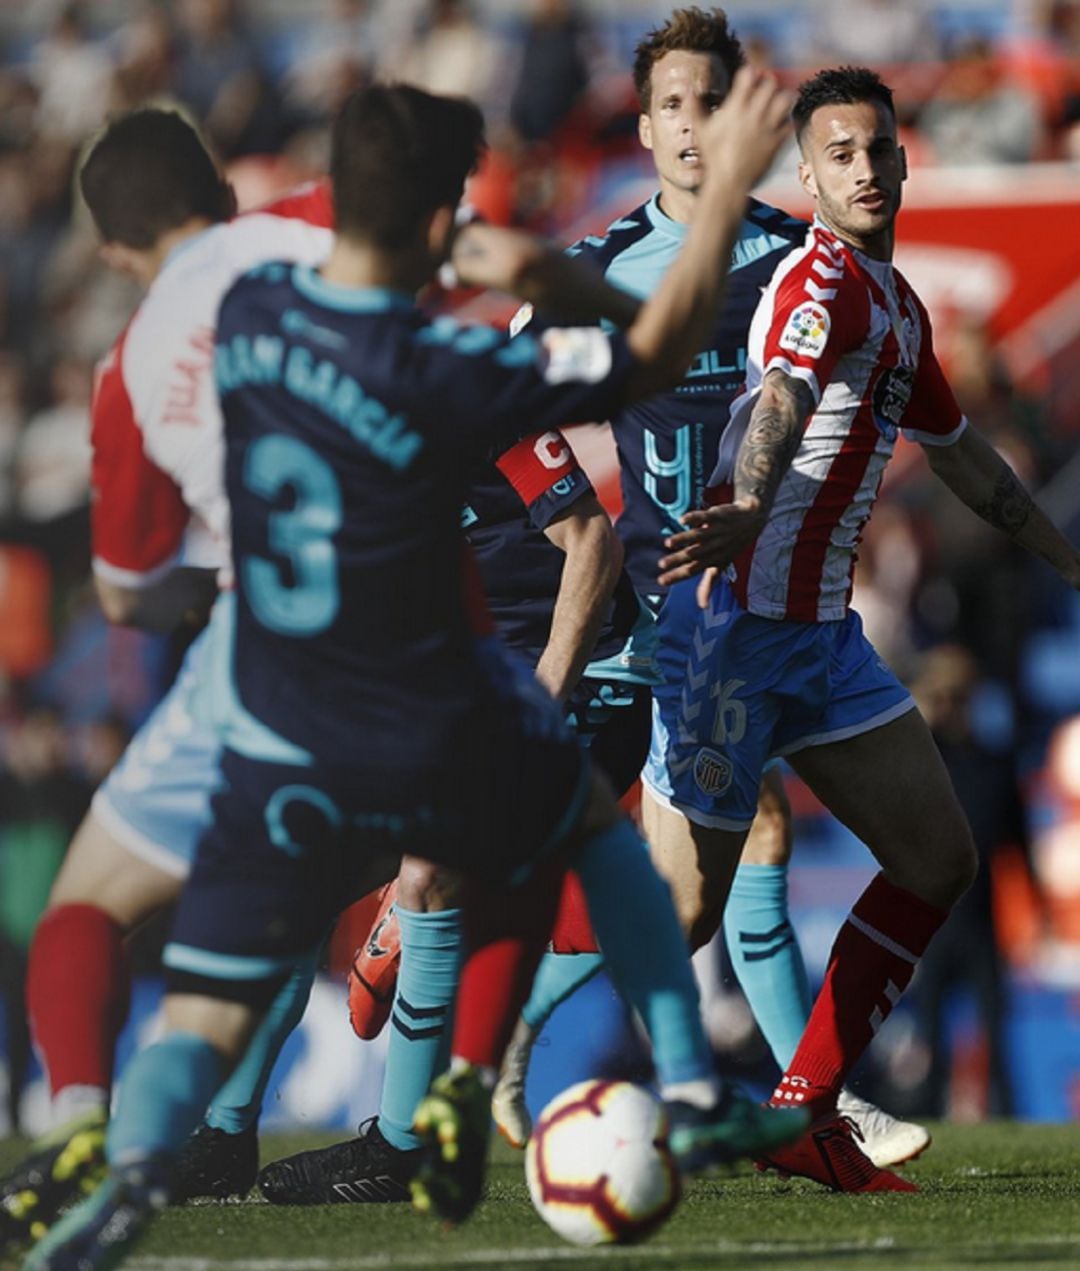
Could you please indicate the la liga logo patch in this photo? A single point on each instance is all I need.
(807, 330)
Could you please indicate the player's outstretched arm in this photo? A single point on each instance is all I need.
(715, 536)
(738, 143)
(534, 271)
(183, 595)
(979, 477)
(594, 557)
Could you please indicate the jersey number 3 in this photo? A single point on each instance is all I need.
(303, 535)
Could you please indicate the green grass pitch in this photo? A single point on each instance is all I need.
(997, 1195)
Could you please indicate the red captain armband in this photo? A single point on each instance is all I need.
(534, 464)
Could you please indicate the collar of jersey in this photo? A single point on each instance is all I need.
(660, 220)
(314, 287)
(880, 270)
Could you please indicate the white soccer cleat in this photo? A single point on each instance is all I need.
(886, 1140)
(508, 1098)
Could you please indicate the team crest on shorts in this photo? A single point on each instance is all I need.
(712, 772)
(807, 330)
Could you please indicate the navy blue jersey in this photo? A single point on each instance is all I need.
(668, 443)
(512, 501)
(353, 426)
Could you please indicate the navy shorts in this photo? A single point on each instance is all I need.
(291, 846)
(613, 718)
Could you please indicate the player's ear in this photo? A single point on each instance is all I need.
(440, 232)
(644, 131)
(125, 260)
(806, 178)
(903, 162)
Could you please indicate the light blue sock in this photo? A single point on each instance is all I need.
(162, 1097)
(766, 957)
(238, 1103)
(557, 976)
(420, 1020)
(645, 950)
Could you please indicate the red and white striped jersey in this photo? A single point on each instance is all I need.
(855, 332)
(158, 455)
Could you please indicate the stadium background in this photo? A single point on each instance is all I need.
(989, 99)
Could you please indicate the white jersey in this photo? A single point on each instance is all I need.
(158, 465)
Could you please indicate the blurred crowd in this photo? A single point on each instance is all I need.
(264, 79)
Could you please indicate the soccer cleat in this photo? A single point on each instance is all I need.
(99, 1233)
(63, 1168)
(366, 1170)
(885, 1139)
(374, 971)
(829, 1153)
(215, 1165)
(734, 1127)
(512, 1118)
(454, 1122)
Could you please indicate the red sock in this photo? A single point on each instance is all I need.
(505, 935)
(573, 931)
(871, 964)
(77, 990)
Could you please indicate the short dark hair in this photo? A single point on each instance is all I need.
(686, 31)
(397, 154)
(840, 86)
(150, 172)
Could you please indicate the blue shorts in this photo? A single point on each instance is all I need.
(156, 800)
(739, 689)
(292, 845)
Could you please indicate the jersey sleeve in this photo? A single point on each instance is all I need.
(492, 388)
(312, 203)
(138, 516)
(817, 313)
(933, 416)
(545, 474)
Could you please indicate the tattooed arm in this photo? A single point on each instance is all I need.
(979, 477)
(716, 535)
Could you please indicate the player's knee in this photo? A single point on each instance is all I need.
(426, 888)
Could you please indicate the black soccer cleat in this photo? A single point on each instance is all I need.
(366, 1170)
(454, 1121)
(98, 1234)
(214, 1165)
(63, 1168)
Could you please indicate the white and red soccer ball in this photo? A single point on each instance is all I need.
(598, 1164)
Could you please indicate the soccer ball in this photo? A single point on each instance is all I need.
(598, 1164)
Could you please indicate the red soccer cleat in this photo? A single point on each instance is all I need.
(829, 1153)
(374, 971)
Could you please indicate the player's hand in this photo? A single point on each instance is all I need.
(742, 138)
(711, 541)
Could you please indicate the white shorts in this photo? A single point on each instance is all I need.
(156, 801)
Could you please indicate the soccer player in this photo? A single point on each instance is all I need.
(159, 531)
(773, 661)
(159, 541)
(667, 447)
(362, 711)
(550, 566)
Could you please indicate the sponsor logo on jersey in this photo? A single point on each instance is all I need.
(576, 353)
(889, 399)
(807, 330)
(712, 772)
